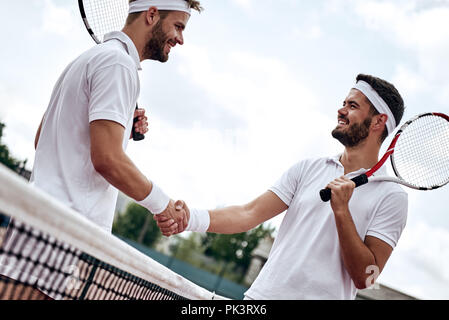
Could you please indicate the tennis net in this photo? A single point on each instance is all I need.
(48, 251)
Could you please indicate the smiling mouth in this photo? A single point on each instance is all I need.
(343, 121)
(170, 45)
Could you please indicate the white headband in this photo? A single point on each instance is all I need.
(172, 5)
(378, 103)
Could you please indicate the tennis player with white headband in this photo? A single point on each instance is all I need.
(326, 251)
(377, 102)
(81, 141)
(87, 126)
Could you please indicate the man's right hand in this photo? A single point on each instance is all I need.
(174, 219)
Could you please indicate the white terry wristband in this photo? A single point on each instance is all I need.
(157, 201)
(199, 220)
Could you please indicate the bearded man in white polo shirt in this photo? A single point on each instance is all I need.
(80, 155)
(326, 250)
(81, 141)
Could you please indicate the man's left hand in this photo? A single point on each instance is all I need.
(167, 225)
(342, 189)
(141, 126)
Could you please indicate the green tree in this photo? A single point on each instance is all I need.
(10, 162)
(5, 155)
(186, 248)
(236, 249)
(137, 224)
(189, 249)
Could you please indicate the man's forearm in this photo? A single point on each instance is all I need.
(230, 220)
(239, 219)
(355, 254)
(121, 172)
(234, 219)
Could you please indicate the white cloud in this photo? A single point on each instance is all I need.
(409, 82)
(59, 20)
(244, 4)
(312, 32)
(421, 31)
(276, 103)
(408, 25)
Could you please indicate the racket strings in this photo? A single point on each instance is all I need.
(105, 16)
(436, 154)
(421, 155)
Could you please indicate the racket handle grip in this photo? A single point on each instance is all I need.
(326, 194)
(136, 135)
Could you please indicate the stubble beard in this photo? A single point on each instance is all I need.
(154, 49)
(354, 135)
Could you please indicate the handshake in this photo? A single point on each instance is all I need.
(174, 219)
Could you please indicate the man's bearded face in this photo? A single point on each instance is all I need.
(353, 135)
(154, 49)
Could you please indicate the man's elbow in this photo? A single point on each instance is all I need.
(103, 163)
(364, 281)
(360, 285)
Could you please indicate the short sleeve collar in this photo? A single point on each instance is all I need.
(336, 160)
(129, 44)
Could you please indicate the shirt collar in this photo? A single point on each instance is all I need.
(129, 44)
(336, 159)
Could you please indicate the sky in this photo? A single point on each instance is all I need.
(254, 89)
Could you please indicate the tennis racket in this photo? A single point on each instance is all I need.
(419, 155)
(101, 17)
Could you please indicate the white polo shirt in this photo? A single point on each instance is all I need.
(101, 84)
(305, 260)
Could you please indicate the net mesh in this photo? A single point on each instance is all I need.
(48, 251)
(105, 16)
(421, 155)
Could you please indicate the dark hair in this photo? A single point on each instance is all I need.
(389, 94)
